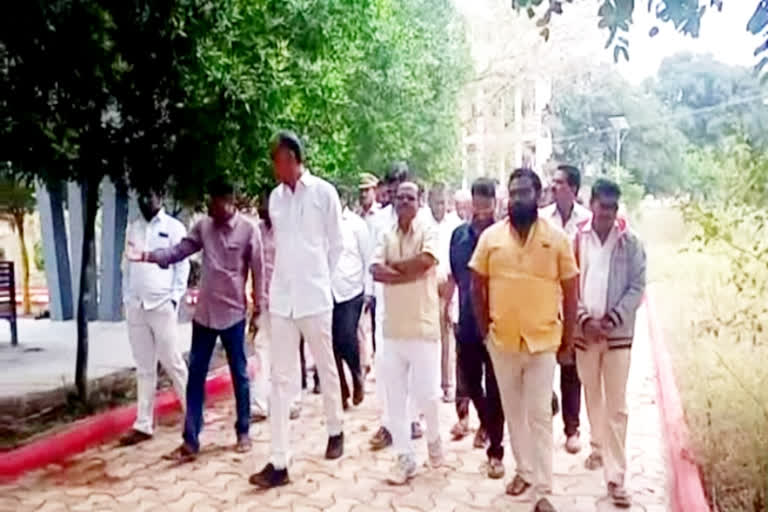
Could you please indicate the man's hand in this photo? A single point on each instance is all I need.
(606, 326)
(593, 330)
(566, 355)
(254, 322)
(367, 303)
(136, 256)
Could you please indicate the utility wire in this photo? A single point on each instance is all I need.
(669, 117)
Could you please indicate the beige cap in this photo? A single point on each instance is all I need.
(368, 180)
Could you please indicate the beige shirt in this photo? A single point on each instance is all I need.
(412, 309)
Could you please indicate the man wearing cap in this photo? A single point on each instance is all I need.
(368, 203)
(367, 325)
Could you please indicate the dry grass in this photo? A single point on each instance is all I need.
(721, 370)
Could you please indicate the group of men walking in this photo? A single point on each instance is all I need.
(457, 305)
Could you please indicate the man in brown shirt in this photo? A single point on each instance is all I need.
(231, 248)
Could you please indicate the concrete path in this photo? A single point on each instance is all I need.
(45, 357)
(111, 478)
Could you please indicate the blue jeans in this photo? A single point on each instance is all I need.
(203, 342)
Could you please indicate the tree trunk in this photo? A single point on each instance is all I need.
(18, 218)
(84, 295)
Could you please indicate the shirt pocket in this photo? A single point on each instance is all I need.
(543, 260)
(233, 257)
(312, 222)
(159, 240)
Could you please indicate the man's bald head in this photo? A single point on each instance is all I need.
(407, 202)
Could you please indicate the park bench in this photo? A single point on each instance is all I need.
(8, 298)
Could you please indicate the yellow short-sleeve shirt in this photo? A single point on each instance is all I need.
(411, 310)
(524, 284)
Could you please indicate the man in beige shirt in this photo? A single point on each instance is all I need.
(406, 264)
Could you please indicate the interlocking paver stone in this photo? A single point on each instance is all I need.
(112, 478)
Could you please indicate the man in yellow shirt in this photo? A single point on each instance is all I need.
(406, 264)
(522, 267)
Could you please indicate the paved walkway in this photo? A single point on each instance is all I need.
(111, 478)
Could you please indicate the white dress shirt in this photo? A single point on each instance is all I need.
(579, 215)
(150, 286)
(308, 242)
(351, 276)
(596, 266)
(445, 229)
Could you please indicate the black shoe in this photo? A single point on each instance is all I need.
(335, 447)
(555, 404)
(270, 477)
(134, 437)
(345, 404)
(416, 431)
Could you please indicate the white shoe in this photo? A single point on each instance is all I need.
(572, 444)
(435, 450)
(402, 471)
(295, 411)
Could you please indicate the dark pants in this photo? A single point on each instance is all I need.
(346, 347)
(373, 323)
(570, 391)
(203, 343)
(471, 360)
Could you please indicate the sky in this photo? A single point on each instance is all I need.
(723, 34)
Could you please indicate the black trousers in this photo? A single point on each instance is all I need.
(472, 360)
(346, 348)
(570, 391)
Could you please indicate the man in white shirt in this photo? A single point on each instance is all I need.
(368, 206)
(307, 223)
(151, 296)
(350, 283)
(445, 223)
(567, 214)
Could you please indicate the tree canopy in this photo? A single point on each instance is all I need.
(615, 17)
(694, 101)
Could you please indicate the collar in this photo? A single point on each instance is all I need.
(232, 222)
(620, 226)
(157, 218)
(532, 233)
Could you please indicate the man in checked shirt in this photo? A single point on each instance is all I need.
(231, 248)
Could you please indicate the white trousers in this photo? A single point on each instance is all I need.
(604, 374)
(378, 359)
(525, 386)
(153, 335)
(284, 351)
(261, 382)
(412, 368)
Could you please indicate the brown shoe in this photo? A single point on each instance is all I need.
(619, 495)
(381, 439)
(134, 437)
(243, 444)
(181, 455)
(358, 394)
(517, 486)
(460, 430)
(544, 505)
(480, 439)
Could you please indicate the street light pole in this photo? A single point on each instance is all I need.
(620, 125)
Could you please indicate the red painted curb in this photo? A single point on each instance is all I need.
(687, 489)
(98, 429)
